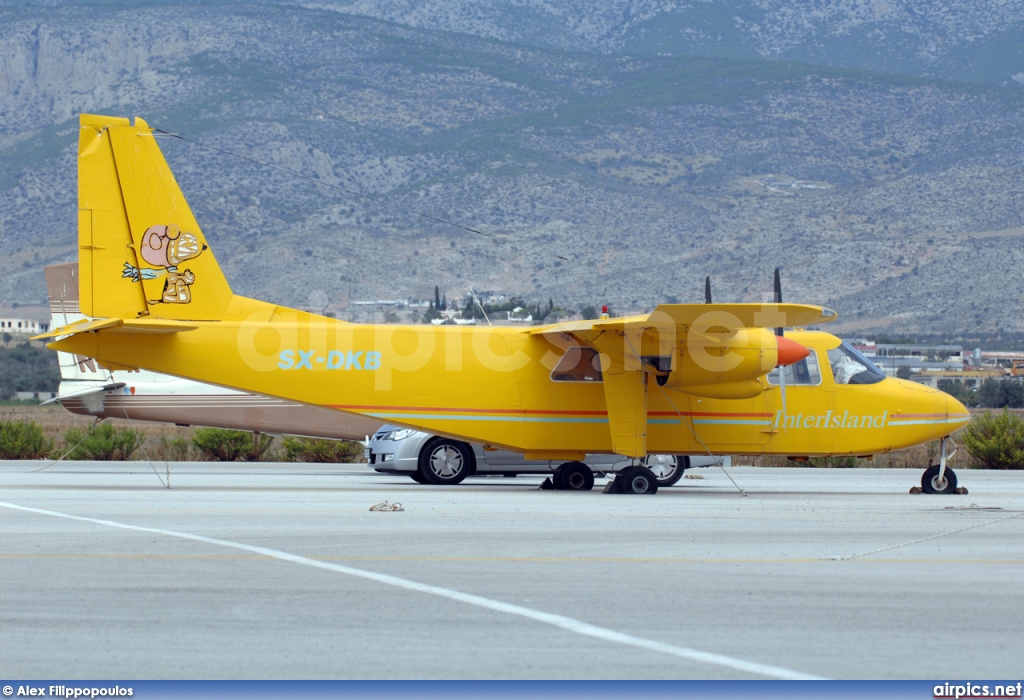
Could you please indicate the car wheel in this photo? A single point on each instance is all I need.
(444, 461)
(417, 477)
(668, 469)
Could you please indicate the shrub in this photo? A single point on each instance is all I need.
(103, 442)
(835, 462)
(300, 449)
(21, 440)
(175, 449)
(996, 440)
(229, 445)
(916, 457)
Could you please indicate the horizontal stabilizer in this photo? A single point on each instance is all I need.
(85, 392)
(83, 326)
(119, 325)
(155, 325)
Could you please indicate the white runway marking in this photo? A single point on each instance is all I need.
(566, 623)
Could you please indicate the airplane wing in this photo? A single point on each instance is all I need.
(713, 350)
(686, 315)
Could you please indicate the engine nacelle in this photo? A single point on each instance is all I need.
(721, 363)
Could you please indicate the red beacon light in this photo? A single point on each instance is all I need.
(604, 311)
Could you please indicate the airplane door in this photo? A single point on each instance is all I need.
(738, 426)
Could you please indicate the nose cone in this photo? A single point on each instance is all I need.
(958, 414)
(790, 351)
(929, 410)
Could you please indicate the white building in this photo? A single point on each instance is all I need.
(23, 326)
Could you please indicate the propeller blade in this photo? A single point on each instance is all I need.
(782, 386)
(778, 297)
(707, 290)
(790, 351)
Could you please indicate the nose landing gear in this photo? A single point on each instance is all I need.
(934, 480)
(939, 478)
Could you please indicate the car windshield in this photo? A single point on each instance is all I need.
(851, 367)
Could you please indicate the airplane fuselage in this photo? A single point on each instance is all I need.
(497, 385)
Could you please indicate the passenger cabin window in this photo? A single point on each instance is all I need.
(578, 365)
(802, 373)
(850, 367)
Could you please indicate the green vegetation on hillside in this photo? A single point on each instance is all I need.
(27, 368)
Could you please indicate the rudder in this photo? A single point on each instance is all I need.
(141, 251)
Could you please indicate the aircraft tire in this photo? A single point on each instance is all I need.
(445, 462)
(637, 480)
(930, 480)
(668, 469)
(573, 476)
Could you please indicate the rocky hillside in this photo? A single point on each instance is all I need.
(591, 165)
(980, 41)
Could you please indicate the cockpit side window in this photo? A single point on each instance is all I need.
(802, 373)
(850, 367)
(578, 365)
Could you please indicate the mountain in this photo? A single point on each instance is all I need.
(972, 42)
(570, 156)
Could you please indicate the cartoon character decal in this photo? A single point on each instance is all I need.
(166, 247)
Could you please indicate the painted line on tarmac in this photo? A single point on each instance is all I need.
(527, 560)
(560, 621)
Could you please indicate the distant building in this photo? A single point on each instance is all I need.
(29, 395)
(890, 357)
(519, 315)
(23, 326)
(953, 352)
(450, 316)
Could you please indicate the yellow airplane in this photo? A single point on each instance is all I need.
(684, 379)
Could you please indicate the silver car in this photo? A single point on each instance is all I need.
(430, 459)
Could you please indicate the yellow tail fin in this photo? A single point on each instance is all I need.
(140, 249)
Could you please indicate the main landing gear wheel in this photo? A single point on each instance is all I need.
(635, 480)
(573, 476)
(667, 469)
(930, 482)
(444, 461)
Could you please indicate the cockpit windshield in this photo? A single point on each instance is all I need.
(851, 367)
